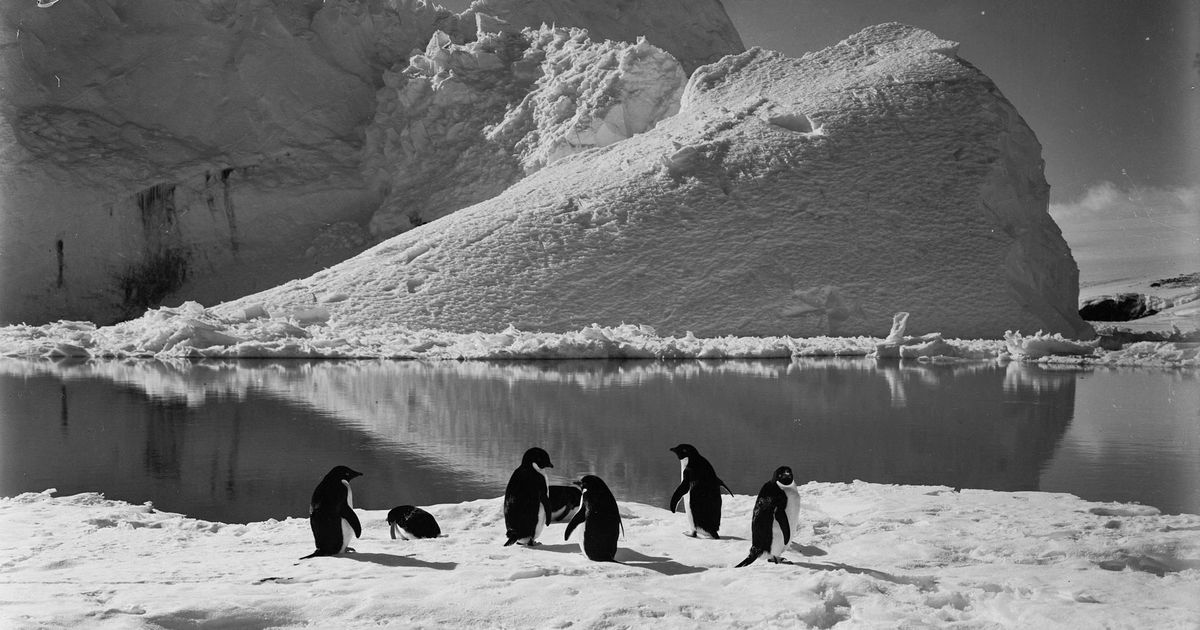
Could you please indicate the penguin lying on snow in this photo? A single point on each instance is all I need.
(564, 501)
(412, 522)
(700, 492)
(776, 514)
(527, 500)
(600, 519)
(331, 513)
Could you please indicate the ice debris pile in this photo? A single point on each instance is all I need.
(192, 331)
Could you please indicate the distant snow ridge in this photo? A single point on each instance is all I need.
(462, 122)
(799, 197)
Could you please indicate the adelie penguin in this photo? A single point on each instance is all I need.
(699, 492)
(412, 522)
(564, 502)
(776, 513)
(600, 518)
(527, 499)
(331, 513)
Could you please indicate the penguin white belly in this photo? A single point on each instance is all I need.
(792, 510)
(541, 523)
(347, 535)
(687, 500)
(776, 540)
(347, 530)
(541, 513)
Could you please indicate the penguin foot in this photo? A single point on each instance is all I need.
(350, 550)
(779, 560)
(690, 534)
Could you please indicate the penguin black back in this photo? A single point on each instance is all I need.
(770, 525)
(527, 499)
(331, 514)
(412, 522)
(701, 487)
(600, 517)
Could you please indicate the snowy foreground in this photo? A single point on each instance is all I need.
(866, 555)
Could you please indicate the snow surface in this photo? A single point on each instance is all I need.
(865, 555)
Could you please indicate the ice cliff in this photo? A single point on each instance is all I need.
(812, 196)
(160, 150)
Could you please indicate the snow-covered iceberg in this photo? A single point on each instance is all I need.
(801, 197)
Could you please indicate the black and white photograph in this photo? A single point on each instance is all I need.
(491, 314)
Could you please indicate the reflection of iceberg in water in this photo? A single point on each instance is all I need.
(447, 431)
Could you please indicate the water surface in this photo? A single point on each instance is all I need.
(239, 441)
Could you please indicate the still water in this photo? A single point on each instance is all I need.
(248, 440)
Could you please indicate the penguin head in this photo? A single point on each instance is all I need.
(783, 476)
(342, 473)
(684, 451)
(595, 491)
(537, 457)
(591, 482)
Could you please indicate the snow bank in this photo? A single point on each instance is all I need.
(192, 331)
(799, 197)
(864, 555)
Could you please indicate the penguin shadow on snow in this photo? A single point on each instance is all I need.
(392, 560)
(663, 565)
(563, 548)
(809, 550)
(923, 583)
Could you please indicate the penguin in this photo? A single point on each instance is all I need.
(331, 513)
(564, 502)
(527, 499)
(598, 514)
(412, 522)
(776, 514)
(700, 492)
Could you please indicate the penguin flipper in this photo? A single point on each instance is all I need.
(755, 552)
(352, 518)
(725, 486)
(782, 519)
(575, 522)
(678, 494)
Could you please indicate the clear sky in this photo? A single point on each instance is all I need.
(1110, 87)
